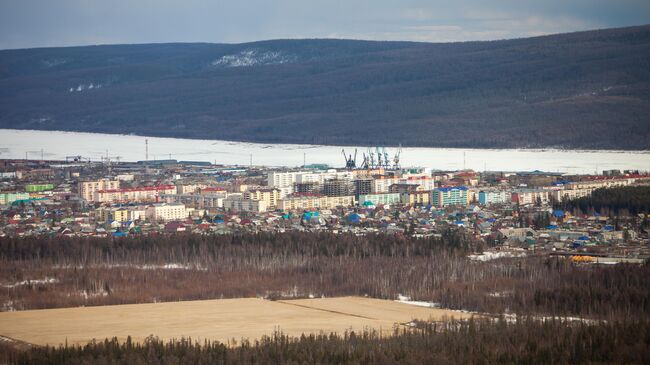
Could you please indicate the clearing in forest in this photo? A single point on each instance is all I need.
(222, 320)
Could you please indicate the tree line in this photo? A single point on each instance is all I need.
(626, 200)
(91, 271)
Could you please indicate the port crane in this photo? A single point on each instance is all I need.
(350, 163)
(396, 165)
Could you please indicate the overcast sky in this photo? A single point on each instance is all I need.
(39, 23)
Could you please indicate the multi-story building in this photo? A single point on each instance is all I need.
(423, 182)
(87, 189)
(381, 184)
(568, 194)
(488, 197)
(8, 198)
(380, 199)
(362, 186)
(120, 214)
(189, 188)
(270, 196)
(165, 212)
(196, 200)
(531, 196)
(35, 188)
(443, 197)
(300, 201)
(314, 201)
(239, 204)
(141, 194)
(283, 180)
(415, 197)
(307, 187)
(338, 187)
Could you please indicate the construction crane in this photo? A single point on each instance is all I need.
(77, 158)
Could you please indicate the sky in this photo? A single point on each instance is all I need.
(49, 23)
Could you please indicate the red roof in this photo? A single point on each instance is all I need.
(215, 188)
(142, 188)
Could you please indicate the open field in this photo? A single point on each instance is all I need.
(220, 320)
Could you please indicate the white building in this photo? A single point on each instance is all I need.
(237, 203)
(166, 212)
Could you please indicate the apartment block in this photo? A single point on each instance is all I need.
(8, 198)
(269, 196)
(314, 201)
(87, 189)
(531, 196)
(380, 199)
(488, 197)
(443, 197)
(165, 212)
(239, 204)
(141, 194)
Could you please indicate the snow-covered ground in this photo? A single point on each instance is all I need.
(58, 145)
(407, 300)
(254, 57)
(31, 282)
(171, 266)
(492, 255)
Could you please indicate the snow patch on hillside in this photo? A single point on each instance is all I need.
(53, 62)
(83, 87)
(254, 57)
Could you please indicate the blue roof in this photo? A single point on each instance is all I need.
(558, 213)
(552, 226)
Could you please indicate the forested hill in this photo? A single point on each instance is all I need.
(578, 90)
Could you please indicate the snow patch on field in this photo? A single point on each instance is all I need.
(407, 300)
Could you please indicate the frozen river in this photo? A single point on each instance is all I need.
(57, 145)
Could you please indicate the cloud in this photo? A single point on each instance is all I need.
(30, 23)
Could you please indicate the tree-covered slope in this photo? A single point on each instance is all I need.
(578, 90)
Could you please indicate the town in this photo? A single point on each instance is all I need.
(512, 212)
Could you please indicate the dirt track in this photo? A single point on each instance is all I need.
(222, 320)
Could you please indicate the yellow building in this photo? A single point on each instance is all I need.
(87, 189)
(419, 197)
(141, 194)
(313, 201)
(268, 196)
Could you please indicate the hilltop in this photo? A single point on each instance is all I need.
(577, 90)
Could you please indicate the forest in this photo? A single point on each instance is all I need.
(618, 201)
(37, 272)
(473, 342)
(578, 90)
